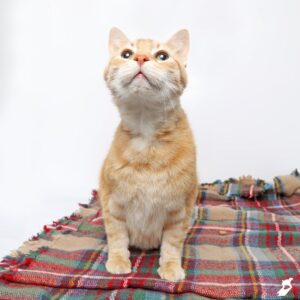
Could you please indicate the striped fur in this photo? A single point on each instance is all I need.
(148, 181)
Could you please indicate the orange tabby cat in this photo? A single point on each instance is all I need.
(148, 182)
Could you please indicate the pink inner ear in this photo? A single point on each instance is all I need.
(179, 44)
(117, 40)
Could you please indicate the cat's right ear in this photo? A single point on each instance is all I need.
(179, 45)
(117, 40)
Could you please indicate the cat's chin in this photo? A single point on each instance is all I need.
(140, 80)
(137, 96)
(141, 86)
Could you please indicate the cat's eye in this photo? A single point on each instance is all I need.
(162, 55)
(126, 53)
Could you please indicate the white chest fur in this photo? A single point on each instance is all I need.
(145, 218)
(144, 205)
(143, 198)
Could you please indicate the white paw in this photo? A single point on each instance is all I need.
(118, 265)
(171, 271)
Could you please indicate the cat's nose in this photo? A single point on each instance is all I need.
(141, 58)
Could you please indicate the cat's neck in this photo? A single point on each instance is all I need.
(145, 118)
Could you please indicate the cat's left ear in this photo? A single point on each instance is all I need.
(179, 44)
(117, 40)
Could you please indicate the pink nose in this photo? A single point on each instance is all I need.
(141, 58)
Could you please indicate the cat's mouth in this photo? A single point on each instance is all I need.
(140, 76)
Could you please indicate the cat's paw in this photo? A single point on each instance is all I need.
(118, 265)
(171, 271)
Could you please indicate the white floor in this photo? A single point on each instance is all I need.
(20, 222)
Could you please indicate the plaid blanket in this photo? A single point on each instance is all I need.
(238, 247)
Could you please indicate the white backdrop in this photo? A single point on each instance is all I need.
(57, 119)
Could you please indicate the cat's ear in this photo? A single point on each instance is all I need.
(117, 40)
(179, 44)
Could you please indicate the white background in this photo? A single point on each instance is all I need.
(57, 119)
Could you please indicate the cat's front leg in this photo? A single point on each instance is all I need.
(171, 251)
(118, 241)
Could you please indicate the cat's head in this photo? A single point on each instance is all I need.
(146, 69)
